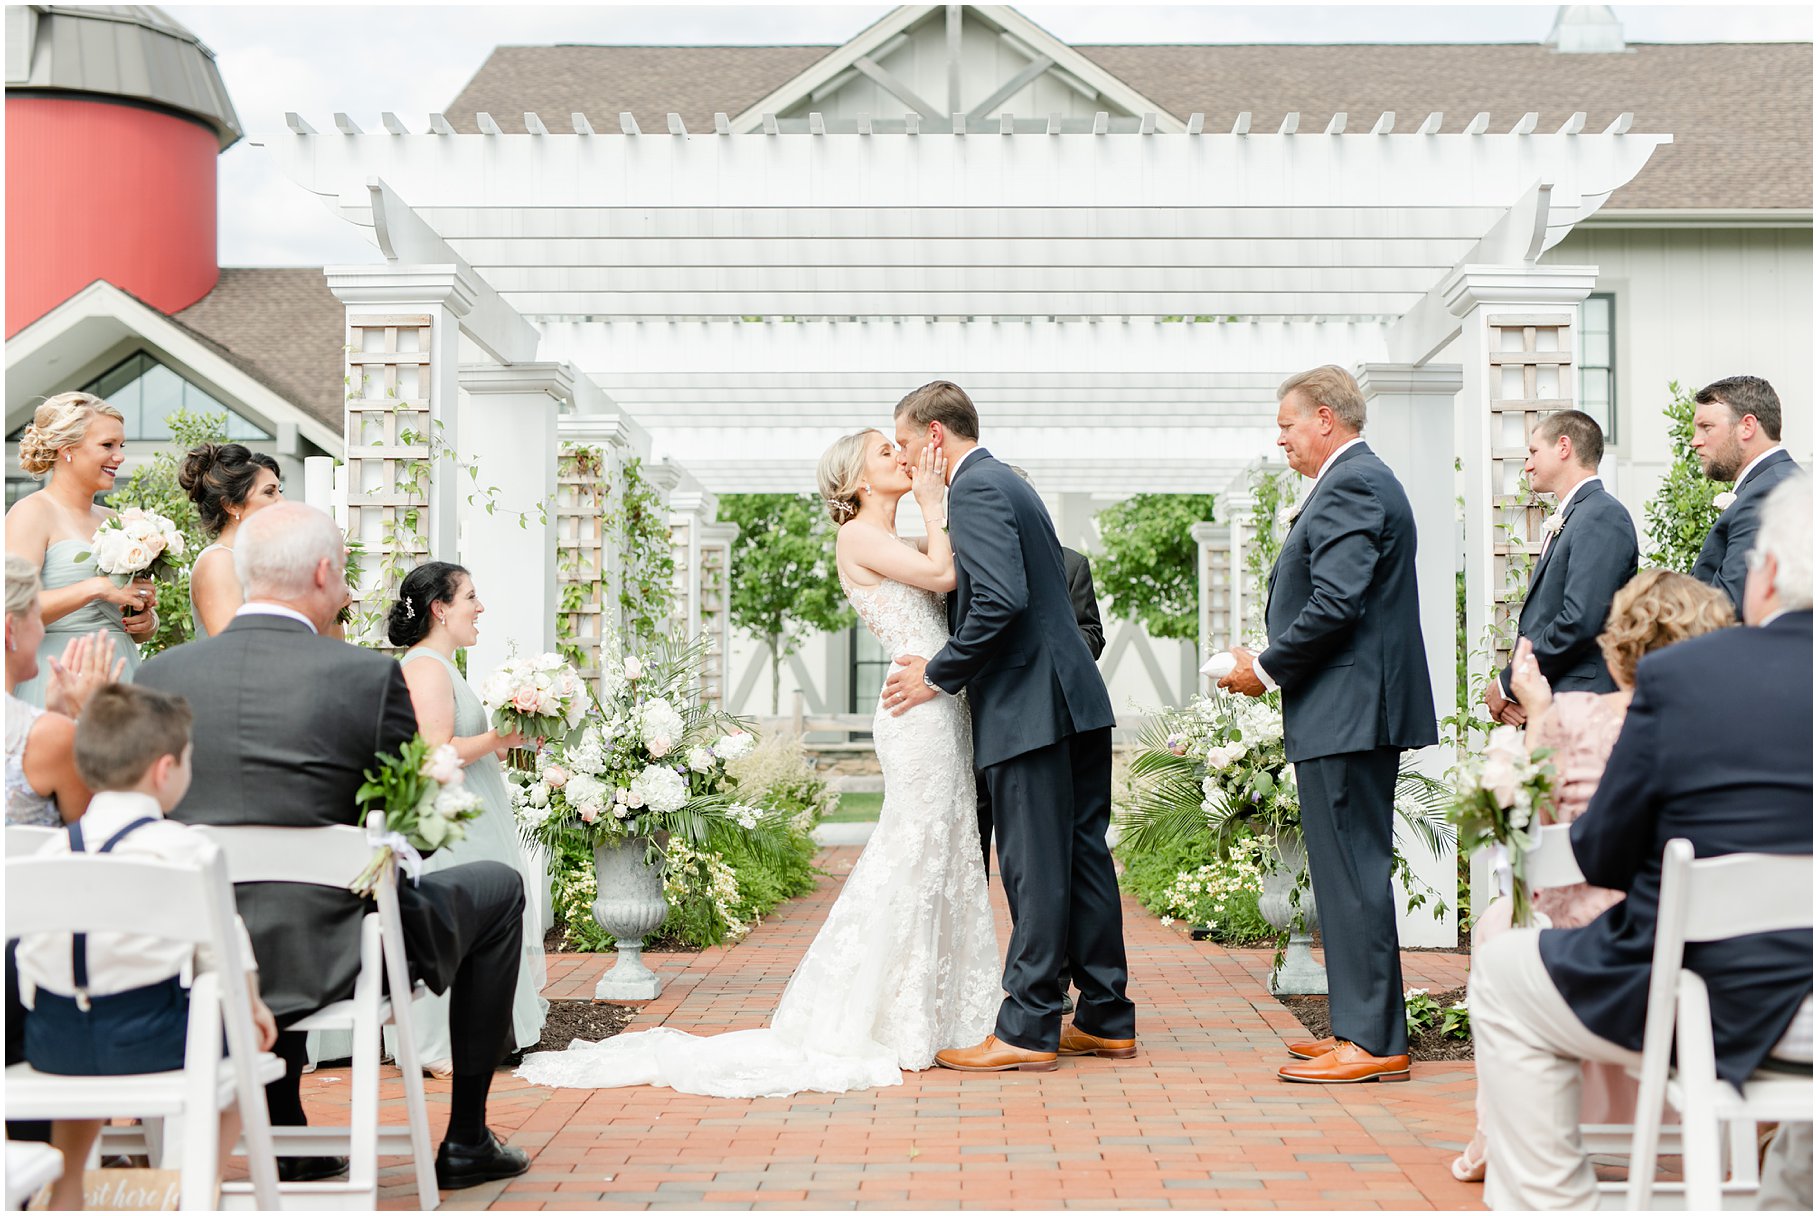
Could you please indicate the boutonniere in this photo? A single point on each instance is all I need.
(1723, 501)
(1553, 524)
(1289, 512)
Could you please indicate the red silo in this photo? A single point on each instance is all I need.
(110, 158)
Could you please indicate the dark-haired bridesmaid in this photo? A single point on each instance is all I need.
(227, 482)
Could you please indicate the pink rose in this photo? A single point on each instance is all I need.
(525, 700)
(555, 776)
(589, 814)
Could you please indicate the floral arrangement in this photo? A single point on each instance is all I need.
(1204, 896)
(653, 763)
(1246, 774)
(423, 794)
(1496, 796)
(136, 542)
(544, 698)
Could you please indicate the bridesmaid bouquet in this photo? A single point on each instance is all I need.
(1498, 793)
(133, 543)
(426, 804)
(543, 697)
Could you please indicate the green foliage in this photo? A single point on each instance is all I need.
(1271, 490)
(647, 586)
(1151, 877)
(154, 487)
(784, 585)
(1681, 512)
(1149, 570)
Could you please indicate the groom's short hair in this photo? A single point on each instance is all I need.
(1580, 428)
(944, 402)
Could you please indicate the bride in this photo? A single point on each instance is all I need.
(907, 962)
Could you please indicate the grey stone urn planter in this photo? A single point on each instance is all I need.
(629, 905)
(1300, 974)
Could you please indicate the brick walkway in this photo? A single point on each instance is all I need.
(1198, 1120)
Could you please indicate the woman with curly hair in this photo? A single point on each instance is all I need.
(78, 441)
(1654, 609)
(227, 482)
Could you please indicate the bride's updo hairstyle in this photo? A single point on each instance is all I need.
(841, 473)
(431, 583)
(217, 476)
(59, 423)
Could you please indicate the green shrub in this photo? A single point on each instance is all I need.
(1154, 878)
(1682, 510)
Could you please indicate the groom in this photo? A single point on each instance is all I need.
(1041, 736)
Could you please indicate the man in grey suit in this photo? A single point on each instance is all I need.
(1345, 649)
(1736, 433)
(1587, 553)
(286, 723)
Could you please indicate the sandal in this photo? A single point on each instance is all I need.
(1469, 1165)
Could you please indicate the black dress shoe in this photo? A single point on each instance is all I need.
(463, 1165)
(310, 1169)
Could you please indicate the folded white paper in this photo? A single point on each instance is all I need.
(1220, 665)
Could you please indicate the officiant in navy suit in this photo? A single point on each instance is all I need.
(1345, 649)
(1588, 551)
(1736, 433)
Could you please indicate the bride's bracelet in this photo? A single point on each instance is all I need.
(937, 523)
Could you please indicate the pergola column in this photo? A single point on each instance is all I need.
(508, 436)
(1215, 590)
(402, 422)
(716, 607)
(1518, 348)
(1410, 411)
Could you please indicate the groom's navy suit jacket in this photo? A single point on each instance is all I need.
(1716, 748)
(1344, 618)
(1569, 595)
(1016, 647)
(1723, 561)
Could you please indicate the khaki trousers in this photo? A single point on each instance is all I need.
(1529, 1048)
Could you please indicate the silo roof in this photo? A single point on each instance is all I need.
(131, 51)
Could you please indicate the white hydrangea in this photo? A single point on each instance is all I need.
(660, 789)
(585, 793)
(659, 726)
(734, 746)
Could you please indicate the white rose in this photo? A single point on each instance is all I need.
(1503, 755)
(634, 667)
(1723, 501)
(700, 759)
(135, 556)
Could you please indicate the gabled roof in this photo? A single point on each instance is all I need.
(1740, 113)
(102, 317)
(282, 326)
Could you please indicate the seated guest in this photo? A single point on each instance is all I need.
(287, 721)
(1717, 749)
(1736, 433)
(1588, 553)
(1656, 608)
(227, 482)
(43, 788)
(111, 1004)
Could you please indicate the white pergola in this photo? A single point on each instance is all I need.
(1120, 299)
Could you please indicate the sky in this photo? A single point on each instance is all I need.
(361, 59)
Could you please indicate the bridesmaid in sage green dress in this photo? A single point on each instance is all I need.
(227, 482)
(437, 613)
(79, 440)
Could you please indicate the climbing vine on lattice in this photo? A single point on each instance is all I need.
(1271, 492)
(646, 561)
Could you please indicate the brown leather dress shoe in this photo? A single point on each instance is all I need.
(1310, 1049)
(1347, 1064)
(1076, 1042)
(994, 1055)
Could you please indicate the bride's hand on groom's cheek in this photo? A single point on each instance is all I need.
(906, 688)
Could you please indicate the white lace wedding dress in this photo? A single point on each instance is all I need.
(907, 962)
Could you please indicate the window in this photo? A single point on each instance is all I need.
(870, 668)
(147, 392)
(1597, 371)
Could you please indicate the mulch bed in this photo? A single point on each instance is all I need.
(1429, 1044)
(552, 943)
(571, 1020)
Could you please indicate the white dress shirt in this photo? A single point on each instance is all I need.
(266, 608)
(1346, 446)
(1750, 466)
(118, 962)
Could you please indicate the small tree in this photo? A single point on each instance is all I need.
(154, 487)
(1150, 567)
(1682, 511)
(783, 585)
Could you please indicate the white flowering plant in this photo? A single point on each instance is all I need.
(136, 543)
(423, 794)
(652, 763)
(542, 698)
(1497, 799)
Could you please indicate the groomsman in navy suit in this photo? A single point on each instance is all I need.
(1346, 651)
(1587, 553)
(1736, 433)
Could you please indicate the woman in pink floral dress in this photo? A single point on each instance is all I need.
(1654, 609)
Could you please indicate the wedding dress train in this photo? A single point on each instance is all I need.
(907, 962)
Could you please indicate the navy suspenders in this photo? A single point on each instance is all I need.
(78, 943)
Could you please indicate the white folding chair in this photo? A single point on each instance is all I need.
(23, 839)
(1709, 901)
(1551, 862)
(110, 894)
(332, 857)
